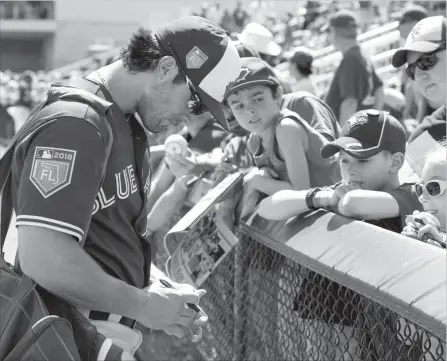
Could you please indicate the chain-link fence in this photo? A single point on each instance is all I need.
(262, 305)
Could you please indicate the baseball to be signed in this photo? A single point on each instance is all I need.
(175, 144)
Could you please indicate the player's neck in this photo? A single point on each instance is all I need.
(125, 87)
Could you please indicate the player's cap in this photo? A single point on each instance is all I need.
(254, 71)
(342, 19)
(301, 56)
(259, 38)
(206, 55)
(412, 13)
(426, 36)
(367, 133)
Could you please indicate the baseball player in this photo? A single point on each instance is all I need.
(80, 178)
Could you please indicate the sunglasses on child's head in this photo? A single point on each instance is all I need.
(425, 62)
(433, 188)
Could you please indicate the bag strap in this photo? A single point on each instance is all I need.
(6, 206)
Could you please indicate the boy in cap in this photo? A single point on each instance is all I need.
(281, 142)
(425, 55)
(372, 147)
(355, 85)
(372, 150)
(81, 213)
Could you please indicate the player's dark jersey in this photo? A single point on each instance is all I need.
(57, 175)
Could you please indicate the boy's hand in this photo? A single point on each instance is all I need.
(222, 171)
(332, 198)
(254, 175)
(181, 164)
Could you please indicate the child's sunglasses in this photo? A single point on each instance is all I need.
(433, 188)
(425, 62)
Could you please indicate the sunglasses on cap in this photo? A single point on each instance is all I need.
(433, 188)
(425, 62)
(195, 105)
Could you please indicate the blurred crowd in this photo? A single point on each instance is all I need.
(16, 10)
(279, 51)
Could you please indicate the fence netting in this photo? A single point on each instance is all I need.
(263, 305)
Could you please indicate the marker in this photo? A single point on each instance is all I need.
(429, 236)
(190, 305)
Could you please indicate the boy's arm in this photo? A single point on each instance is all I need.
(269, 185)
(289, 203)
(293, 143)
(372, 205)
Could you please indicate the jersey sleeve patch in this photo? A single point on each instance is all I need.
(52, 169)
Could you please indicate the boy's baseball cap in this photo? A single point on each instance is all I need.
(342, 19)
(254, 71)
(426, 36)
(206, 55)
(367, 133)
(412, 13)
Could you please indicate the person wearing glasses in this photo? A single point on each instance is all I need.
(430, 225)
(81, 213)
(372, 147)
(425, 55)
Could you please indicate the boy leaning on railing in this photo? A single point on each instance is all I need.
(372, 148)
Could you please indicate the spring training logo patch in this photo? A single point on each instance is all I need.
(52, 169)
(195, 58)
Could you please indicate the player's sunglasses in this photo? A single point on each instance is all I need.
(425, 62)
(195, 105)
(433, 188)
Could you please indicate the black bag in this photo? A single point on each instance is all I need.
(27, 329)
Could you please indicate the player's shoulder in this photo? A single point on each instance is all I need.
(76, 108)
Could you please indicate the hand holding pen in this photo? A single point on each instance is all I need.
(195, 329)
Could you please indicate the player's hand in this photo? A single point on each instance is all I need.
(166, 310)
(182, 164)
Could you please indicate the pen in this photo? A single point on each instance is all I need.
(429, 236)
(190, 305)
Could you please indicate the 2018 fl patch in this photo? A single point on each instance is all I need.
(52, 169)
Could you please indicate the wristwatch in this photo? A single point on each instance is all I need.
(310, 197)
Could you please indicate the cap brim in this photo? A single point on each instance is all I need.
(250, 83)
(215, 108)
(400, 56)
(347, 144)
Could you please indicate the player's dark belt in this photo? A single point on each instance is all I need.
(105, 316)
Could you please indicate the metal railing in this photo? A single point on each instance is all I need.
(312, 289)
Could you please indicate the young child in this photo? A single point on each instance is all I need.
(285, 149)
(430, 225)
(372, 150)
